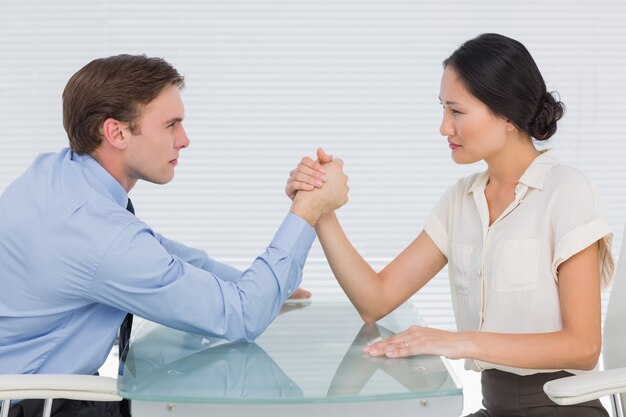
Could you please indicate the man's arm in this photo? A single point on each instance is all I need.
(137, 274)
(199, 258)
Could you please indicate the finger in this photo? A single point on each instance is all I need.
(397, 343)
(306, 170)
(300, 186)
(300, 293)
(378, 348)
(308, 162)
(323, 157)
(338, 161)
(307, 179)
(394, 349)
(373, 350)
(389, 344)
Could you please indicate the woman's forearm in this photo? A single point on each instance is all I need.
(564, 349)
(356, 277)
(557, 350)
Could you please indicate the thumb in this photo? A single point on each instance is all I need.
(323, 157)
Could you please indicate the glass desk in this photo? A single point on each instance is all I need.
(307, 363)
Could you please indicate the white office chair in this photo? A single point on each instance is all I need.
(612, 381)
(49, 387)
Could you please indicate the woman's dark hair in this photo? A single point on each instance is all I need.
(500, 72)
(117, 87)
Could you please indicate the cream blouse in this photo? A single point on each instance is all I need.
(504, 277)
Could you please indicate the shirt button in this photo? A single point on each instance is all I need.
(289, 290)
(480, 273)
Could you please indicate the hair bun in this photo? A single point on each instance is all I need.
(549, 111)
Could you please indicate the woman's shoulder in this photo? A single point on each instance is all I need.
(569, 188)
(566, 179)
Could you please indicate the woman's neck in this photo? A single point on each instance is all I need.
(509, 164)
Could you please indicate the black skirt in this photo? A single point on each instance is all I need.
(510, 395)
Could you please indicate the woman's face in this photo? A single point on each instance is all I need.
(474, 133)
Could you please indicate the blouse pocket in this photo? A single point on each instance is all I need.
(516, 265)
(460, 267)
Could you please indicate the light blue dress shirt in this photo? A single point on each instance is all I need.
(73, 262)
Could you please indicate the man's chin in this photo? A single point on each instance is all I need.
(160, 180)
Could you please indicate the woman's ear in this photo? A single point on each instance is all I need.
(510, 126)
(114, 133)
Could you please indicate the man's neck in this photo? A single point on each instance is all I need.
(113, 164)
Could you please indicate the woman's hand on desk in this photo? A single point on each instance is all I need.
(418, 340)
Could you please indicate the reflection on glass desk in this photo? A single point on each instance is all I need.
(307, 363)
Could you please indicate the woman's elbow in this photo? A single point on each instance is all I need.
(373, 316)
(368, 319)
(589, 355)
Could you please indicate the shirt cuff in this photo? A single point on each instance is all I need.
(580, 238)
(437, 233)
(294, 236)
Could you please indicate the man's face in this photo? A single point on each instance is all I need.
(152, 153)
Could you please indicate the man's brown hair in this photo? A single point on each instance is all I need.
(114, 87)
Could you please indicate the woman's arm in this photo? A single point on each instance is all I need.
(377, 294)
(576, 346)
(373, 294)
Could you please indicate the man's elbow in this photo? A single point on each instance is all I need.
(246, 336)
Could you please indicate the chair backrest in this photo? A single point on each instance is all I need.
(50, 386)
(614, 339)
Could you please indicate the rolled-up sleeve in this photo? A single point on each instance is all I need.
(581, 223)
(436, 224)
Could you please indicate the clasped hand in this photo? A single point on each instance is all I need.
(310, 176)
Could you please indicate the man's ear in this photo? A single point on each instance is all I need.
(115, 133)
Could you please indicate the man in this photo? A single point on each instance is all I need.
(76, 260)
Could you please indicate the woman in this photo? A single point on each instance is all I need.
(526, 243)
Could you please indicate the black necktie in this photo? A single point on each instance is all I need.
(127, 324)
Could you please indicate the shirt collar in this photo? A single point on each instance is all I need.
(533, 177)
(100, 178)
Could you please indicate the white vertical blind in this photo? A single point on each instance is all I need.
(269, 81)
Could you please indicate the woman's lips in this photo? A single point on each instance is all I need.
(453, 145)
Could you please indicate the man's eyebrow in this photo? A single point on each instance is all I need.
(174, 120)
